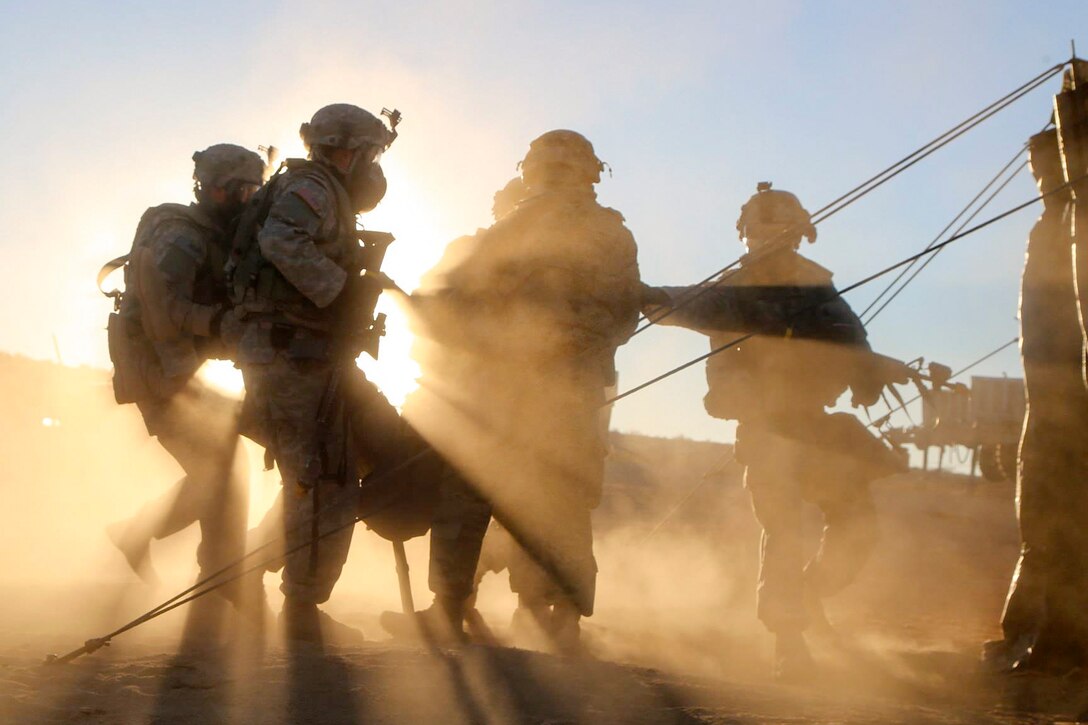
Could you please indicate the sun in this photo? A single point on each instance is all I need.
(420, 239)
(222, 376)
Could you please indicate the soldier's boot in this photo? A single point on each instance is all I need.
(566, 628)
(134, 543)
(531, 624)
(477, 628)
(304, 623)
(1052, 661)
(440, 624)
(793, 664)
(1002, 655)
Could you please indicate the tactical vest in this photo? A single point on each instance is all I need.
(767, 375)
(255, 286)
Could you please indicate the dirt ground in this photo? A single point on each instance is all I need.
(674, 640)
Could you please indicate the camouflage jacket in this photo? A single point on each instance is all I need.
(553, 283)
(175, 285)
(309, 252)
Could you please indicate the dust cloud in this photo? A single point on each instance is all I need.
(675, 540)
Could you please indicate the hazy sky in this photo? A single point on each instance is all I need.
(102, 105)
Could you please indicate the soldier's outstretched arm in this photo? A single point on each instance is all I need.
(288, 242)
(704, 309)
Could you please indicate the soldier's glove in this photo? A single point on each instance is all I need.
(653, 295)
(385, 281)
(876, 373)
(652, 299)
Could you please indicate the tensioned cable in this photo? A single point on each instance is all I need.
(180, 600)
(873, 182)
(209, 583)
(903, 272)
(927, 262)
(839, 293)
(828, 210)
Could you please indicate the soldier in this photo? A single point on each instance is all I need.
(442, 371)
(169, 322)
(534, 315)
(777, 386)
(1041, 623)
(306, 313)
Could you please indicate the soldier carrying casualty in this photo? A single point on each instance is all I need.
(526, 328)
(809, 348)
(308, 312)
(174, 315)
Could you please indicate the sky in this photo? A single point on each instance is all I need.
(690, 103)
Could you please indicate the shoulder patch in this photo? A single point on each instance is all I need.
(315, 197)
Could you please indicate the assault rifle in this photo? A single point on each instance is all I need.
(364, 328)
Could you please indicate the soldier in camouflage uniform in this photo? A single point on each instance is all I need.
(777, 388)
(169, 322)
(1042, 619)
(298, 289)
(534, 315)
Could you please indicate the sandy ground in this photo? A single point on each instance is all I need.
(386, 684)
(910, 633)
(675, 638)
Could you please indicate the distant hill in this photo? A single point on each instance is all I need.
(72, 458)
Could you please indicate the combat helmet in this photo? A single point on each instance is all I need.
(772, 214)
(223, 163)
(1043, 150)
(508, 197)
(344, 126)
(561, 155)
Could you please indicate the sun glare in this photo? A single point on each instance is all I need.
(407, 213)
(222, 376)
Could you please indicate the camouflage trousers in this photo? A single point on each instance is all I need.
(535, 453)
(781, 475)
(571, 546)
(199, 429)
(366, 435)
(460, 518)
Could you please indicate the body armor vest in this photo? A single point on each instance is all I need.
(256, 287)
(143, 343)
(766, 375)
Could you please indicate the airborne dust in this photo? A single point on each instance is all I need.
(676, 543)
